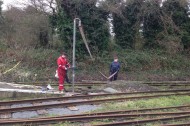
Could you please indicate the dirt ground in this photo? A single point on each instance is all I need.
(125, 86)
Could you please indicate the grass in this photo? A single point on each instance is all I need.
(151, 103)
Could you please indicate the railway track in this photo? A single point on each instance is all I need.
(103, 115)
(166, 82)
(146, 82)
(75, 118)
(87, 84)
(181, 124)
(86, 102)
(88, 96)
(170, 85)
(56, 83)
(124, 111)
(137, 122)
(105, 82)
(95, 84)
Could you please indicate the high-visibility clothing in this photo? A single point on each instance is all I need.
(63, 65)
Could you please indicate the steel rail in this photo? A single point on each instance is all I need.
(104, 82)
(181, 124)
(65, 104)
(86, 96)
(36, 83)
(147, 82)
(81, 85)
(168, 85)
(112, 116)
(144, 121)
(166, 82)
(122, 112)
(56, 84)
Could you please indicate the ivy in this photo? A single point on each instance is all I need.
(94, 23)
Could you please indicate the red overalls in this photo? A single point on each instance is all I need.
(62, 68)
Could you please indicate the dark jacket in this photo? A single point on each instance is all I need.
(115, 66)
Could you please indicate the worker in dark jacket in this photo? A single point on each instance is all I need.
(114, 69)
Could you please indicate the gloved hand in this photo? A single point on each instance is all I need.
(65, 68)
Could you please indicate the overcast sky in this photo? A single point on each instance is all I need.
(7, 3)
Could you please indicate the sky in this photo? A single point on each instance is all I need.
(7, 3)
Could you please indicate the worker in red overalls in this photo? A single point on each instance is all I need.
(63, 65)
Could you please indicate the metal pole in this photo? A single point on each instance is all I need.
(74, 46)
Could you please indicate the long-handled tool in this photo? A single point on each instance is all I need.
(109, 76)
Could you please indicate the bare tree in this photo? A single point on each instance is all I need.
(45, 6)
(25, 28)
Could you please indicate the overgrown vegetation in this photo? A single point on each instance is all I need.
(135, 65)
(150, 38)
(94, 23)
